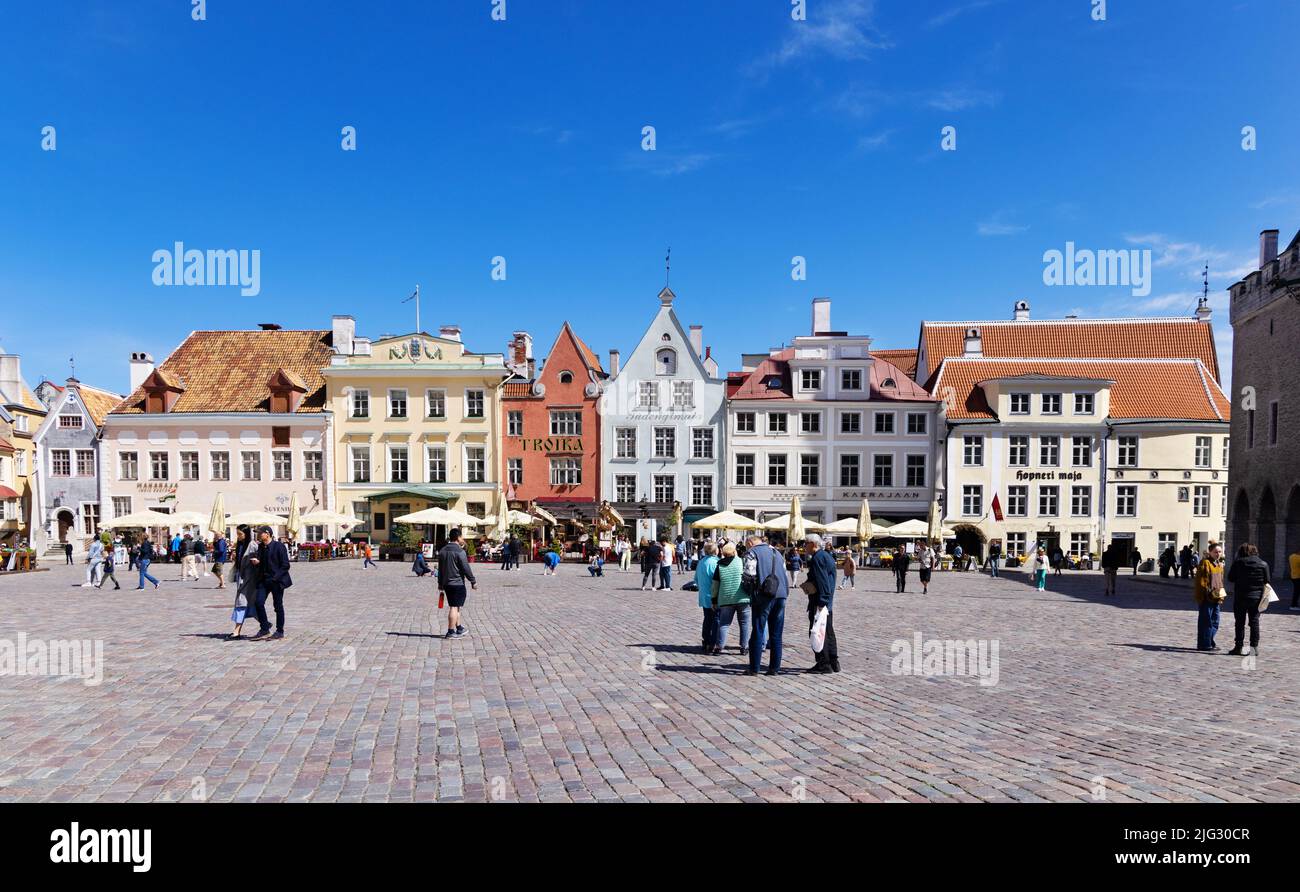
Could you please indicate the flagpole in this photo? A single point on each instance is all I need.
(417, 309)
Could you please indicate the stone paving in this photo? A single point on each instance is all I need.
(574, 689)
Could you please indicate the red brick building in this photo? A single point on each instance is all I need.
(552, 431)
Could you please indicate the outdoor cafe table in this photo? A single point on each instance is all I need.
(26, 560)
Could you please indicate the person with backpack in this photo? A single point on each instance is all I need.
(768, 605)
(820, 588)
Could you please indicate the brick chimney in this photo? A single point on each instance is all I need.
(613, 363)
(1267, 247)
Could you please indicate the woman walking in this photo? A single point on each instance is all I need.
(1249, 575)
(245, 577)
(1039, 566)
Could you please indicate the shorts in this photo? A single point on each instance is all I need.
(924, 573)
(456, 595)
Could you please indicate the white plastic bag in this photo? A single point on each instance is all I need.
(1270, 597)
(817, 634)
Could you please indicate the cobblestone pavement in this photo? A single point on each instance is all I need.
(570, 688)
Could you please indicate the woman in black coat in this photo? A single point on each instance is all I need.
(1248, 574)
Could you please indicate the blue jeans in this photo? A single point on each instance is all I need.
(725, 615)
(767, 612)
(709, 629)
(1207, 625)
(143, 565)
(666, 577)
(993, 566)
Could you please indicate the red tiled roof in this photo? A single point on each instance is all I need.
(754, 385)
(227, 371)
(98, 402)
(1164, 338)
(905, 360)
(518, 389)
(587, 354)
(1174, 389)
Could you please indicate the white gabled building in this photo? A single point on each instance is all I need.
(662, 425)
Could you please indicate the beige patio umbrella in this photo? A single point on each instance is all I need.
(783, 523)
(935, 530)
(293, 526)
(145, 519)
(798, 529)
(256, 519)
(545, 515)
(502, 526)
(217, 519)
(727, 520)
(189, 518)
(909, 529)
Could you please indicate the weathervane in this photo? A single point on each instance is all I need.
(668, 265)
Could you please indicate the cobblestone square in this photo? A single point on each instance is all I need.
(579, 689)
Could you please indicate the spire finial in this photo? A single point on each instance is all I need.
(668, 265)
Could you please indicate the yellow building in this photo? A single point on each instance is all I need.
(27, 413)
(416, 424)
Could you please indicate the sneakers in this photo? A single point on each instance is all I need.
(461, 630)
(263, 633)
(458, 632)
(277, 636)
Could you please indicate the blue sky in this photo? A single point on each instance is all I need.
(522, 139)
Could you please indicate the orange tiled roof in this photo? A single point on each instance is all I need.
(518, 389)
(1172, 389)
(227, 371)
(98, 402)
(753, 386)
(1162, 338)
(904, 360)
(592, 359)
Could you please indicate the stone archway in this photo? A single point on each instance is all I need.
(1239, 530)
(971, 539)
(1266, 527)
(65, 522)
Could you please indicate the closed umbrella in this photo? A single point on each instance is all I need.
(935, 531)
(293, 525)
(798, 530)
(502, 530)
(865, 529)
(217, 519)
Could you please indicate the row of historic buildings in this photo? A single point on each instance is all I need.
(1069, 431)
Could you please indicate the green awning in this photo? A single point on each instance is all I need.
(692, 516)
(420, 492)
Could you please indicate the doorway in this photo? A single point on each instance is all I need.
(65, 523)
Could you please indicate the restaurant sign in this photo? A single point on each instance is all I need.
(158, 488)
(551, 444)
(908, 495)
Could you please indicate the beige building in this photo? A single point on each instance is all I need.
(417, 424)
(26, 413)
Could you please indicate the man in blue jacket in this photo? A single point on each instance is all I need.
(273, 571)
(821, 572)
(768, 606)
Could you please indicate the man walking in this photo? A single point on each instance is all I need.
(273, 579)
(1110, 566)
(453, 571)
(925, 562)
(1135, 558)
(768, 606)
(187, 559)
(67, 553)
(142, 561)
(995, 558)
(821, 573)
(666, 565)
(901, 562)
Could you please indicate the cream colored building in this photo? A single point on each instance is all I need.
(417, 424)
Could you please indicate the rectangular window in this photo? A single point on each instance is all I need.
(1201, 501)
(745, 469)
(776, 467)
(702, 445)
(1051, 404)
(648, 395)
(1202, 452)
(1084, 403)
(128, 466)
(1018, 451)
(566, 423)
(189, 466)
(121, 506)
(1019, 404)
(1049, 451)
(566, 471)
(475, 464)
(665, 489)
(1127, 454)
(1272, 423)
(882, 470)
(745, 423)
(85, 463)
(850, 422)
(1223, 502)
(1016, 543)
(281, 464)
(1079, 544)
(361, 404)
(625, 488)
(972, 500)
(850, 470)
(1081, 452)
(313, 466)
(665, 442)
(280, 436)
(916, 470)
(435, 457)
(850, 379)
(1080, 501)
(515, 471)
(60, 463)
(1225, 451)
(701, 489)
(435, 405)
(361, 511)
(810, 379)
(777, 423)
(251, 465)
(360, 464)
(917, 423)
(884, 422)
(158, 466)
(810, 422)
(1017, 501)
(1049, 501)
(972, 451)
(397, 404)
(1250, 428)
(625, 442)
(474, 402)
(70, 422)
(220, 462)
(683, 394)
(1126, 501)
(514, 424)
(810, 469)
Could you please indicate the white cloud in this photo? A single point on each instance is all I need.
(1187, 259)
(875, 141)
(840, 29)
(997, 225)
(668, 164)
(943, 18)
(962, 98)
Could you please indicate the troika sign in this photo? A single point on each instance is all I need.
(551, 444)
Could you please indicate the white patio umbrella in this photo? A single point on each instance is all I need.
(145, 519)
(783, 523)
(935, 530)
(189, 518)
(441, 516)
(293, 526)
(909, 529)
(727, 520)
(256, 519)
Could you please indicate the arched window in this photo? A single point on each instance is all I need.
(566, 377)
(666, 361)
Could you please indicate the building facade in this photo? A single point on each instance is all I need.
(1265, 315)
(417, 424)
(1047, 444)
(551, 442)
(65, 486)
(829, 421)
(9, 500)
(663, 422)
(27, 413)
(240, 413)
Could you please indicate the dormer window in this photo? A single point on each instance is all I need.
(160, 393)
(773, 382)
(666, 361)
(889, 383)
(287, 390)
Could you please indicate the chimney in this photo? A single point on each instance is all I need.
(1021, 313)
(141, 368)
(697, 340)
(974, 344)
(269, 326)
(450, 332)
(1203, 311)
(821, 315)
(1267, 247)
(613, 363)
(345, 331)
